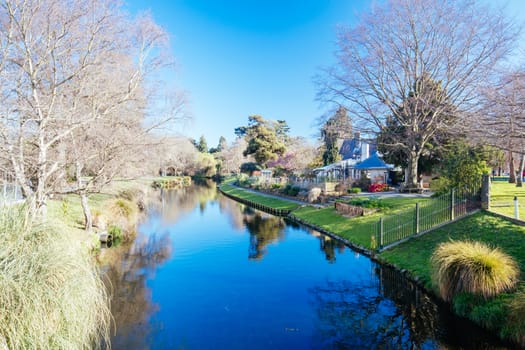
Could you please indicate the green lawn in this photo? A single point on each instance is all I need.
(358, 230)
(414, 256)
(502, 198)
(274, 203)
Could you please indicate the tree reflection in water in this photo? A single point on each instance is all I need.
(126, 271)
(264, 229)
(392, 313)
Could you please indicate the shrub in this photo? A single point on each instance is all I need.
(290, 190)
(276, 186)
(371, 203)
(354, 190)
(115, 232)
(378, 187)
(472, 267)
(51, 294)
(124, 214)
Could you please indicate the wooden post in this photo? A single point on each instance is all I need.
(516, 208)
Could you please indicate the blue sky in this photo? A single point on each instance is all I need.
(242, 57)
(239, 58)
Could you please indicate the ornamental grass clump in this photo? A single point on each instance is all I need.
(51, 294)
(472, 267)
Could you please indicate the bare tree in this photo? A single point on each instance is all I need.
(503, 122)
(71, 74)
(390, 62)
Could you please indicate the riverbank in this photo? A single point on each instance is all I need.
(413, 257)
(117, 207)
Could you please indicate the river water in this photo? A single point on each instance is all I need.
(206, 272)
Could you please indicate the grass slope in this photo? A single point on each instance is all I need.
(271, 202)
(358, 230)
(415, 254)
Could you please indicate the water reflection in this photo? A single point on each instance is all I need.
(210, 294)
(185, 200)
(126, 270)
(391, 313)
(264, 229)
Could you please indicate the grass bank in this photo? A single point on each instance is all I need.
(414, 256)
(109, 205)
(357, 230)
(495, 314)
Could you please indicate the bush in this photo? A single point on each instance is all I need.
(472, 267)
(124, 214)
(440, 185)
(51, 294)
(354, 190)
(276, 186)
(290, 190)
(378, 187)
(370, 203)
(115, 232)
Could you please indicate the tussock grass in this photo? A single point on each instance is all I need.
(124, 214)
(472, 267)
(51, 294)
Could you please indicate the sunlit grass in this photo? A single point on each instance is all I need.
(359, 230)
(415, 255)
(51, 295)
(502, 196)
(472, 267)
(271, 202)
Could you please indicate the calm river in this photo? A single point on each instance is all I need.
(206, 272)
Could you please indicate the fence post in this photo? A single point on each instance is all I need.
(417, 218)
(452, 204)
(485, 192)
(381, 231)
(516, 208)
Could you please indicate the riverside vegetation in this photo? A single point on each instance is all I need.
(499, 312)
(52, 295)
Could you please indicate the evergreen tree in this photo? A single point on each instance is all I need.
(202, 146)
(333, 132)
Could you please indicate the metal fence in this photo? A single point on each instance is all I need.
(392, 230)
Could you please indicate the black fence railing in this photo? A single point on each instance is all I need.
(391, 230)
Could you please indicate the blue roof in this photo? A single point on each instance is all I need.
(373, 162)
(351, 148)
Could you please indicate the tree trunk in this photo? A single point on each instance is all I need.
(82, 192)
(519, 173)
(411, 173)
(512, 173)
(88, 219)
